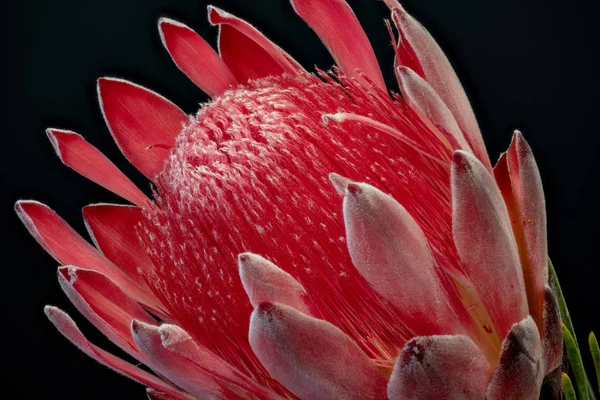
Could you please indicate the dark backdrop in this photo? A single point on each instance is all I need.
(530, 64)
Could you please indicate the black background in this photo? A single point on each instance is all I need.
(527, 64)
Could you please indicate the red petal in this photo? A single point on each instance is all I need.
(196, 58)
(339, 30)
(266, 282)
(520, 373)
(441, 76)
(421, 97)
(112, 228)
(172, 366)
(76, 153)
(439, 367)
(311, 357)
(530, 230)
(179, 341)
(68, 248)
(246, 59)
(104, 304)
(217, 16)
(143, 123)
(390, 250)
(552, 337)
(67, 327)
(485, 243)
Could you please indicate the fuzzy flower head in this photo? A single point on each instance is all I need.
(310, 235)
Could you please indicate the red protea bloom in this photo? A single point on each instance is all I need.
(395, 262)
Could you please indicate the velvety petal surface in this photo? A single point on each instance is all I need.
(112, 227)
(177, 369)
(75, 152)
(530, 229)
(104, 304)
(390, 250)
(266, 282)
(311, 357)
(520, 373)
(485, 242)
(69, 329)
(196, 58)
(68, 248)
(440, 75)
(339, 30)
(441, 368)
(423, 98)
(217, 16)
(143, 123)
(552, 340)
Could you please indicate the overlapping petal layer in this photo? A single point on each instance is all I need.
(249, 276)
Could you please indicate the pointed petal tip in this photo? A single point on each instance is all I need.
(339, 182)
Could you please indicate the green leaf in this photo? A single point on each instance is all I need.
(568, 388)
(576, 364)
(595, 355)
(562, 304)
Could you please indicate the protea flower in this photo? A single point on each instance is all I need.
(311, 235)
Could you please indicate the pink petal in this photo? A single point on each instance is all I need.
(552, 342)
(520, 373)
(266, 282)
(196, 58)
(67, 327)
(422, 98)
(104, 304)
(143, 123)
(177, 369)
(112, 228)
(439, 367)
(246, 59)
(217, 16)
(68, 248)
(311, 357)
(441, 76)
(531, 227)
(339, 30)
(390, 250)
(179, 341)
(485, 243)
(76, 153)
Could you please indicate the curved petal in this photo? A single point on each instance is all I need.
(439, 367)
(311, 357)
(390, 250)
(485, 242)
(67, 327)
(520, 373)
(179, 341)
(246, 59)
(195, 58)
(339, 30)
(441, 77)
(104, 304)
(82, 157)
(552, 340)
(424, 99)
(531, 226)
(68, 248)
(266, 282)
(112, 228)
(217, 16)
(177, 369)
(143, 123)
